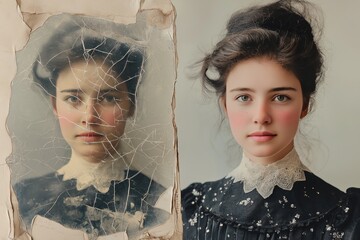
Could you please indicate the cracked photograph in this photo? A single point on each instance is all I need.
(91, 127)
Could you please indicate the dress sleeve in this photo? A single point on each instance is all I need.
(190, 200)
(352, 231)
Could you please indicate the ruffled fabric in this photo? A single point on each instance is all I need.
(283, 173)
(89, 174)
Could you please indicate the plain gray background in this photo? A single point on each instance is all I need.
(331, 132)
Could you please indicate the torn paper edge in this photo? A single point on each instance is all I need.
(18, 14)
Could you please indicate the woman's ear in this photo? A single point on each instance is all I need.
(53, 104)
(304, 112)
(305, 109)
(131, 110)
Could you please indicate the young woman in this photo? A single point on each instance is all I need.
(91, 82)
(265, 72)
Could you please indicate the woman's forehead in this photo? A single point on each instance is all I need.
(90, 75)
(260, 73)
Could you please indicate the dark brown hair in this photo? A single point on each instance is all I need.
(74, 41)
(278, 31)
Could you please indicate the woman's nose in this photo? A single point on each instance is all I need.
(91, 114)
(262, 114)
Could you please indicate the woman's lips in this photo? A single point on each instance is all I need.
(262, 136)
(90, 136)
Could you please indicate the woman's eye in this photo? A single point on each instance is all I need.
(72, 99)
(281, 98)
(243, 98)
(108, 99)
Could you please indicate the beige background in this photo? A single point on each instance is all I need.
(205, 149)
(15, 35)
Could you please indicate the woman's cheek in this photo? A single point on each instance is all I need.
(237, 120)
(67, 126)
(67, 120)
(112, 117)
(288, 118)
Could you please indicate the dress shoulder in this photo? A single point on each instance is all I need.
(37, 195)
(352, 223)
(191, 193)
(144, 186)
(190, 198)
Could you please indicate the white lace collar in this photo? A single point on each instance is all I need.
(98, 175)
(283, 173)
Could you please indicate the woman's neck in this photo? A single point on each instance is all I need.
(92, 159)
(266, 160)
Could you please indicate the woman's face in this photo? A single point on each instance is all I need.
(92, 107)
(264, 105)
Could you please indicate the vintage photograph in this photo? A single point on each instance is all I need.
(90, 122)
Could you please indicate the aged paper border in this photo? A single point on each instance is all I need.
(17, 23)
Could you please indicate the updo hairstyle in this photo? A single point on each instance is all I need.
(278, 31)
(74, 42)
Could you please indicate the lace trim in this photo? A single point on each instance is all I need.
(283, 173)
(98, 175)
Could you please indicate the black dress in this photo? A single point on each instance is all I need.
(313, 209)
(89, 210)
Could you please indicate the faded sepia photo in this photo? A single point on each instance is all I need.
(91, 126)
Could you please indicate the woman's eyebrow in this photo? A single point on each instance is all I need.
(71, 91)
(242, 90)
(108, 90)
(102, 91)
(279, 89)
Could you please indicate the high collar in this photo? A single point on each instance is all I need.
(98, 175)
(282, 173)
